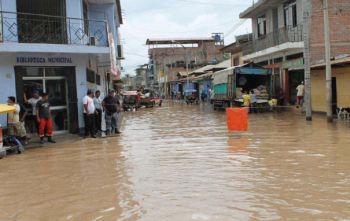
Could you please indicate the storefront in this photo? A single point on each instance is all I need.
(340, 87)
(293, 75)
(63, 76)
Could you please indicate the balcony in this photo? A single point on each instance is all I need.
(44, 29)
(279, 37)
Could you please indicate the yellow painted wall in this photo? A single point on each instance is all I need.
(318, 88)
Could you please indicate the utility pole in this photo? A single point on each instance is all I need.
(327, 45)
(306, 37)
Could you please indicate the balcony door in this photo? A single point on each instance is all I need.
(42, 21)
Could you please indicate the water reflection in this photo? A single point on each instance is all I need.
(179, 162)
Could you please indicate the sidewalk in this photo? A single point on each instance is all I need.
(60, 139)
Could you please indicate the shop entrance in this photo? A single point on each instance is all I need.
(295, 78)
(59, 83)
(56, 87)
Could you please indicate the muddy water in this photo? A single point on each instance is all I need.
(179, 163)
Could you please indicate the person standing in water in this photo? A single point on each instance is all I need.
(300, 94)
(44, 118)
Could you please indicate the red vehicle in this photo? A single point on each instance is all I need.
(150, 99)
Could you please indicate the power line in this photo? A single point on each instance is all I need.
(209, 3)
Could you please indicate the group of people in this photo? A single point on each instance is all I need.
(99, 112)
(36, 112)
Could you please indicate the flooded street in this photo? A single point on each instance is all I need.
(180, 163)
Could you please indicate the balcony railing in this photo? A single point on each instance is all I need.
(35, 28)
(283, 35)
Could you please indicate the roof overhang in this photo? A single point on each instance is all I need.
(167, 41)
(285, 47)
(337, 62)
(260, 7)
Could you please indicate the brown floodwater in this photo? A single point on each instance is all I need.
(179, 163)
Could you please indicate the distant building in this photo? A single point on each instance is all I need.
(168, 57)
(129, 82)
(141, 76)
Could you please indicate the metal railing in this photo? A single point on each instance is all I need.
(278, 37)
(36, 28)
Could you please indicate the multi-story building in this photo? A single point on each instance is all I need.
(141, 76)
(236, 50)
(339, 20)
(278, 41)
(60, 47)
(168, 57)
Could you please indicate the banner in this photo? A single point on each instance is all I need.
(113, 56)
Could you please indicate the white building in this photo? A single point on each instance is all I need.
(60, 47)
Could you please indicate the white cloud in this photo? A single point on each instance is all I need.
(175, 18)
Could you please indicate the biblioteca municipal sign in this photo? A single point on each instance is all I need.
(44, 60)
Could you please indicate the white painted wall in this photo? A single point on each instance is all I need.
(9, 19)
(7, 77)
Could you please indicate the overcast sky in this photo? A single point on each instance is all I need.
(177, 18)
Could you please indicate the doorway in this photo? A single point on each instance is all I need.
(294, 79)
(60, 84)
(56, 87)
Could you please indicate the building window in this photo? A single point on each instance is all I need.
(290, 14)
(90, 76)
(261, 26)
(98, 79)
(236, 61)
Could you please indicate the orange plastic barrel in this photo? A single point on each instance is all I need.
(237, 119)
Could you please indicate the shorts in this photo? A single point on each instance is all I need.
(300, 98)
(17, 129)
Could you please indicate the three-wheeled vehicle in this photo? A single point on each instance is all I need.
(191, 96)
(150, 99)
(8, 144)
(131, 100)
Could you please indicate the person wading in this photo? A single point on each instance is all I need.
(300, 94)
(110, 106)
(89, 114)
(44, 119)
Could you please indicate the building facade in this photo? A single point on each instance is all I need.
(60, 47)
(339, 20)
(278, 42)
(168, 57)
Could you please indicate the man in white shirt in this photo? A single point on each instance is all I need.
(89, 114)
(98, 106)
(32, 115)
(300, 94)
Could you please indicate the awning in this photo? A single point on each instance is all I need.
(334, 62)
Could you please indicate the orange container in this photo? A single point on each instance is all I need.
(237, 119)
